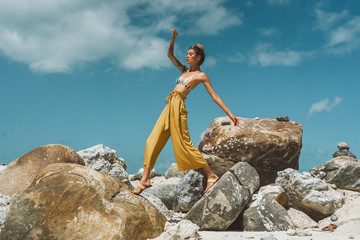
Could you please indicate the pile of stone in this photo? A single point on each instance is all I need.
(58, 193)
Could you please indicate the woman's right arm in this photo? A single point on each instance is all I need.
(171, 55)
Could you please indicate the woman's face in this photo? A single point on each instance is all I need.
(191, 57)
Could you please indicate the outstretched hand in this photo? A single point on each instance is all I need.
(174, 32)
(234, 119)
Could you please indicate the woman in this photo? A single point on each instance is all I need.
(173, 119)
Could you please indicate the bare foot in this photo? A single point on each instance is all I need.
(142, 185)
(211, 180)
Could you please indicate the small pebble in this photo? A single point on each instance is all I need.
(268, 238)
(225, 122)
(291, 232)
(334, 218)
(283, 119)
(257, 118)
(333, 186)
(351, 237)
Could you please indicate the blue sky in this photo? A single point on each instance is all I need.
(88, 72)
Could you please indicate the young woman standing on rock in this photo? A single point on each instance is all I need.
(173, 119)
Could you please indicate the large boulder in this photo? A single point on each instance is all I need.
(165, 192)
(104, 159)
(311, 195)
(19, 174)
(69, 201)
(188, 191)
(223, 202)
(342, 171)
(183, 230)
(267, 212)
(268, 145)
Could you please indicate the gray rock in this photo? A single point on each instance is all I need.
(105, 160)
(225, 122)
(188, 191)
(165, 192)
(343, 152)
(301, 220)
(4, 207)
(138, 175)
(268, 238)
(267, 213)
(311, 195)
(160, 206)
(224, 201)
(334, 218)
(185, 229)
(173, 171)
(283, 119)
(344, 172)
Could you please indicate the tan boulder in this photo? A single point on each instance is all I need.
(19, 174)
(70, 201)
(268, 145)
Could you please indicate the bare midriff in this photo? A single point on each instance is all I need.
(181, 88)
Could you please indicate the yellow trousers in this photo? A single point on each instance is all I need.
(173, 122)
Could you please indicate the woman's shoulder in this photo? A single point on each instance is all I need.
(202, 76)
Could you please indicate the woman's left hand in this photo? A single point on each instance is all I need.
(234, 119)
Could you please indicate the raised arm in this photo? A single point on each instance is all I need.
(218, 100)
(171, 55)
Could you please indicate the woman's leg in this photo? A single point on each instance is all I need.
(211, 177)
(154, 144)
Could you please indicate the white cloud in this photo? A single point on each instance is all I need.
(56, 36)
(341, 30)
(323, 105)
(268, 31)
(278, 2)
(209, 62)
(237, 58)
(264, 55)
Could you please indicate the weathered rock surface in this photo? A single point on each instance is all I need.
(4, 207)
(19, 174)
(343, 171)
(70, 201)
(311, 195)
(173, 171)
(188, 191)
(104, 159)
(138, 175)
(266, 144)
(267, 212)
(165, 192)
(301, 220)
(184, 230)
(224, 201)
(158, 204)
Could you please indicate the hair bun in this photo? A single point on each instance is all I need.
(201, 47)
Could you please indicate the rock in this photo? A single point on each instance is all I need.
(301, 220)
(283, 119)
(334, 218)
(2, 166)
(70, 201)
(343, 153)
(267, 213)
(344, 172)
(343, 146)
(268, 238)
(4, 208)
(160, 206)
(173, 171)
(188, 191)
(266, 144)
(104, 159)
(298, 232)
(19, 174)
(185, 229)
(223, 202)
(311, 195)
(138, 175)
(165, 192)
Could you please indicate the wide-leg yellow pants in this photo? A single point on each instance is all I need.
(173, 122)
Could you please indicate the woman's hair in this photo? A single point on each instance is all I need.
(199, 50)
